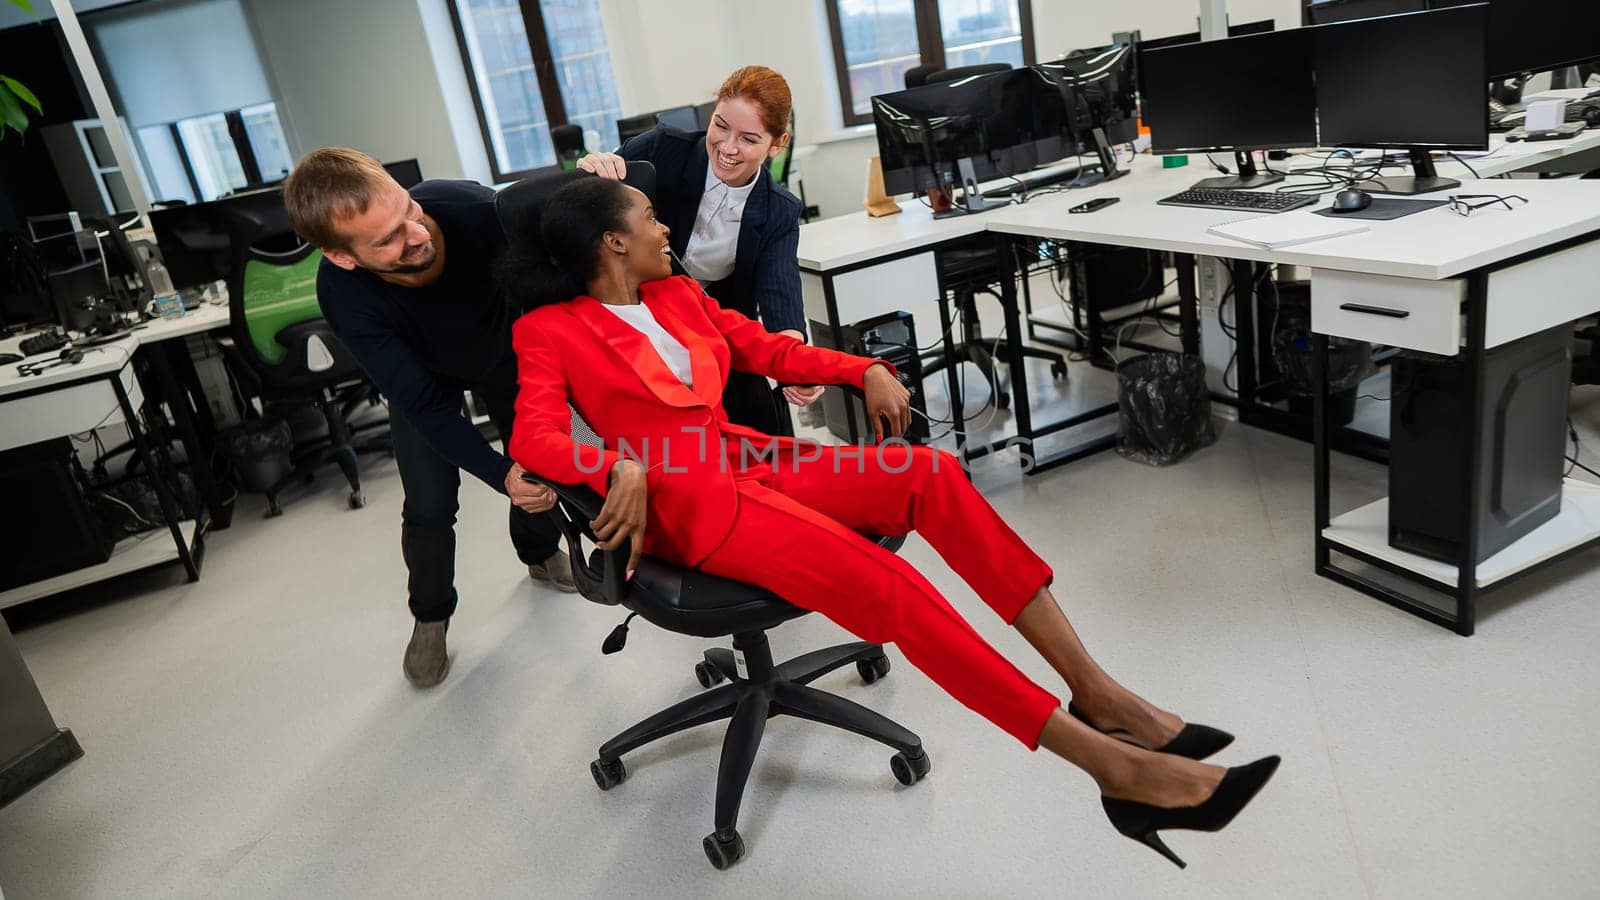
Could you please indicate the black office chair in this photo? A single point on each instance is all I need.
(939, 76)
(283, 351)
(568, 141)
(917, 76)
(686, 601)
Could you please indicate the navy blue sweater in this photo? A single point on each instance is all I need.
(424, 345)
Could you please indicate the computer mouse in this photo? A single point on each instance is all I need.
(1351, 200)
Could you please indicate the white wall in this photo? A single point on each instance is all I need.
(362, 74)
(205, 46)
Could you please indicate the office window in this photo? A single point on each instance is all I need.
(876, 41)
(212, 156)
(534, 64)
(206, 157)
(265, 135)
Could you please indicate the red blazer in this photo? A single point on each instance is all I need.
(579, 353)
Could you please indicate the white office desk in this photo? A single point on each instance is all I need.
(97, 392)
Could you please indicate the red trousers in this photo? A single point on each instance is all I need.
(799, 534)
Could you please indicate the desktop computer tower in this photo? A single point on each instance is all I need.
(1523, 432)
(890, 337)
(48, 528)
(1106, 278)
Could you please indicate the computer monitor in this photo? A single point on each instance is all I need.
(1413, 82)
(683, 118)
(77, 292)
(632, 126)
(196, 240)
(702, 115)
(1326, 12)
(1242, 94)
(1535, 35)
(1189, 37)
(956, 133)
(407, 172)
(1091, 93)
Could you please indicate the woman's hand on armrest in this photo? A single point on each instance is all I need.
(622, 518)
(888, 402)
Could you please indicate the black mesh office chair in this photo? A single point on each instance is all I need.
(690, 602)
(969, 268)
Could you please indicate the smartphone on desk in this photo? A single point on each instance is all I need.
(1092, 205)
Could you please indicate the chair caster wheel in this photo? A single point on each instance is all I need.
(357, 500)
(1058, 369)
(308, 478)
(273, 511)
(723, 853)
(608, 775)
(909, 770)
(1003, 401)
(873, 669)
(709, 676)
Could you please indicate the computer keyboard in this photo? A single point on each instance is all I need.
(1255, 201)
(44, 342)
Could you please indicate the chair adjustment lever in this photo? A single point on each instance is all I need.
(618, 638)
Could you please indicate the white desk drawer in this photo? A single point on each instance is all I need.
(69, 409)
(1402, 312)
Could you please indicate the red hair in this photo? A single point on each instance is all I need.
(764, 88)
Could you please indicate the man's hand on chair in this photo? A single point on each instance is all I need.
(622, 517)
(888, 402)
(526, 495)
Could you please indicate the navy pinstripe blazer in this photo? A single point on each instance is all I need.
(766, 276)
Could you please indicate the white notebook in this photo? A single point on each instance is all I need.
(1287, 229)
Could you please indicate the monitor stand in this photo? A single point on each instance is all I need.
(972, 199)
(1108, 162)
(1425, 181)
(1248, 177)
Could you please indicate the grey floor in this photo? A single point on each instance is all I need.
(251, 735)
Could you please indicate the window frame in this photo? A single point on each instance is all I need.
(544, 69)
(930, 47)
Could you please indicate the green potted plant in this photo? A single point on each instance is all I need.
(15, 98)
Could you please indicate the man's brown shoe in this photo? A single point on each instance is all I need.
(557, 570)
(427, 663)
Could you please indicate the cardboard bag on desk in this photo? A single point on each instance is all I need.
(878, 202)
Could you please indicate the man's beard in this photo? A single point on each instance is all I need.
(412, 268)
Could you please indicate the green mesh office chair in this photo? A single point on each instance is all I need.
(283, 351)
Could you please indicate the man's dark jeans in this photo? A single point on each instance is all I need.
(428, 518)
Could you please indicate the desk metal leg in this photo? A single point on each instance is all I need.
(1244, 329)
(169, 508)
(1005, 248)
(1319, 441)
(1473, 487)
(952, 365)
(199, 457)
(1188, 305)
(830, 300)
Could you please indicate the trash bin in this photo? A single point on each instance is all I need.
(1349, 364)
(1164, 408)
(260, 452)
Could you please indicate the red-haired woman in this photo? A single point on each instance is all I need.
(733, 228)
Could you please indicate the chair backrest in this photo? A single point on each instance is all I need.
(917, 76)
(519, 206)
(568, 141)
(960, 72)
(778, 166)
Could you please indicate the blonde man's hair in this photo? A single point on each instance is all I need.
(331, 183)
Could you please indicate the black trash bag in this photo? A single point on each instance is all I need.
(1349, 364)
(259, 450)
(1165, 408)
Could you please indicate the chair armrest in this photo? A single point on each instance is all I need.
(600, 575)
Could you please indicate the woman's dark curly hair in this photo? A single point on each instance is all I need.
(558, 267)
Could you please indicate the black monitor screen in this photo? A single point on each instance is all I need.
(1534, 35)
(1323, 12)
(682, 118)
(407, 172)
(1414, 80)
(195, 241)
(1253, 92)
(924, 131)
(1190, 37)
(1090, 89)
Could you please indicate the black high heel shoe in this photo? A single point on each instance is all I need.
(1142, 821)
(1193, 742)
